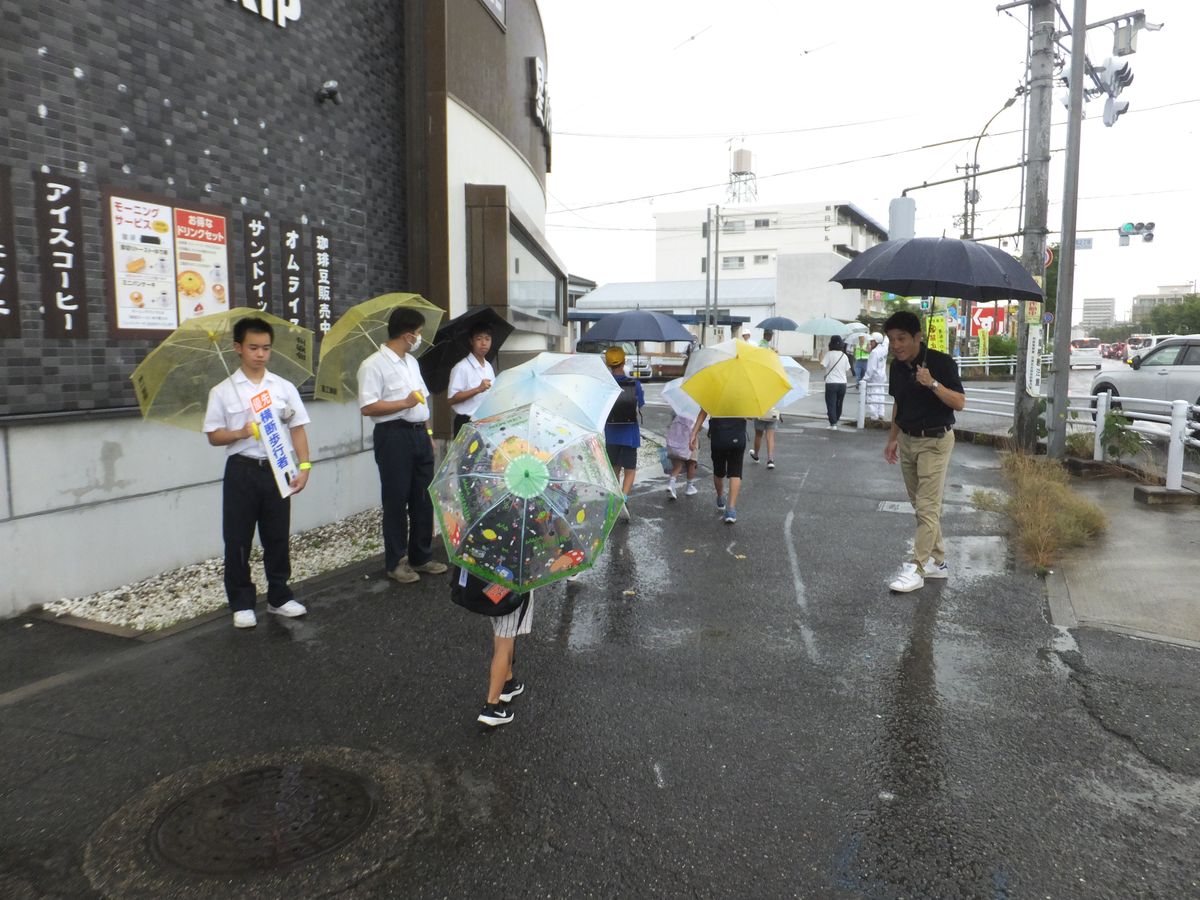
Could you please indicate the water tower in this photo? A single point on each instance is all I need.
(743, 186)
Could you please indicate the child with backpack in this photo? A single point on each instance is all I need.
(512, 616)
(727, 437)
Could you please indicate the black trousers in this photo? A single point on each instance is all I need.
(459, 421)
(835, 395)
(404, 456)
(249, 500)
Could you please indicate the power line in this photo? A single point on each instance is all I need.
(724, 135)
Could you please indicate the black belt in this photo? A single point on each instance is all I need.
(403, 423)
(926, 432)
(263, 463)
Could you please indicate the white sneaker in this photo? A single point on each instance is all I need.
(936, 570)
(908, 580)
(833, 427)
(692, 490)
(291, 609)
(575, 577)
(671, 489)
(244, 618)
(625, 510)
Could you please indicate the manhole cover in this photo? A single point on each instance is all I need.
(264, 819)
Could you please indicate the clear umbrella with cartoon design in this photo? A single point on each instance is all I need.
(525, 497)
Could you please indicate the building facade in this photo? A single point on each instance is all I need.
(1098, 312)
(169, 160)
(1166, 295)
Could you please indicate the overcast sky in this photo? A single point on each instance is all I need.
(648, 97)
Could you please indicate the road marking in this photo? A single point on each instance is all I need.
(658, 776)
(794, 560)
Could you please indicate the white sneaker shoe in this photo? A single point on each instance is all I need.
(671, 489)
(244, 618)
(692, 490)
(908, 580)
(936, 570)
(291, 609)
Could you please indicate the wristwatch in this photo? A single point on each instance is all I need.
(934, 386)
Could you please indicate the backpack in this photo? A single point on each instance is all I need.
(625, 410)
(727, 433)
(483, 597)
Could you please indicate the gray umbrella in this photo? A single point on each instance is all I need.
(940, 267)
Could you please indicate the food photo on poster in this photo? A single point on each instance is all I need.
(143, 264)
(202, 263)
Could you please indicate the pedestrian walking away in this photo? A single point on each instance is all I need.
(622, 431)
(682, 455)
(250, 495)
(926, 392)
(392, 392)
(837, 368)
(727, 440)
(471, 377)
(876, 377)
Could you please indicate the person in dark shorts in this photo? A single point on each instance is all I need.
(727, 437)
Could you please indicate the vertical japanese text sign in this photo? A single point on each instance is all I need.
(322, 279)
(60, 248)
(257, 241)
(291, 252)
(10, 310)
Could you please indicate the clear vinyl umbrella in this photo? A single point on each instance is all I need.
(577, 387)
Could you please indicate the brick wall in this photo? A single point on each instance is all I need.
(180, 99)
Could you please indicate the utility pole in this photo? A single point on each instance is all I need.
(1056, 416)
(717, 265)
(707, 273)
(1037, 201)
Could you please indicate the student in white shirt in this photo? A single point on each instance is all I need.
(471, 377)
(249, 495)
(392, 392)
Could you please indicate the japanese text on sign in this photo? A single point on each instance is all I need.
(322, 279)
(60, 235)
(257, 243)
(291, 252)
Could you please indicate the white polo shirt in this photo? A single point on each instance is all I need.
(229, 407)
(466, 375)
(385, 376)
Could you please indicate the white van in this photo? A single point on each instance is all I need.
(1148, 343)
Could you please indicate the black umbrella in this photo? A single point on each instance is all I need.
(453, 342)
(777, 323)
(638, 325)
(940, 267)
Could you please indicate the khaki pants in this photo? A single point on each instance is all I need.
(924, 463)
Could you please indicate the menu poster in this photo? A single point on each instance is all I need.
(10, 310)
(202, 263)
(143, 264)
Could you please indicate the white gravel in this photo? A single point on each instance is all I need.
(181, 594)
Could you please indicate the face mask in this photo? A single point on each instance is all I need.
(416, 344)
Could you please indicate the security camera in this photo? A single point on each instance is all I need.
(329, 91)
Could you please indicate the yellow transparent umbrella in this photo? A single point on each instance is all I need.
(358, 334)
(735, 378)
(173, 381)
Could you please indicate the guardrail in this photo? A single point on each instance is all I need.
(996, 363)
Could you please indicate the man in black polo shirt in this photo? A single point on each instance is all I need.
(926, 388)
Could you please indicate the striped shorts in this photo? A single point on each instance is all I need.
(512, 624)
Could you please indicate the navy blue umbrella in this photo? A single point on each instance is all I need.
(940, 267)
(637, 325)
(777, 323)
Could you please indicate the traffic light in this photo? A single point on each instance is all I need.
(1113, 109)
(1129, 229)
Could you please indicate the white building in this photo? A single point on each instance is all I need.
(1166, 295)
(801, 245)
(1098, 312)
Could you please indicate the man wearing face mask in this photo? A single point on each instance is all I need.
(392, 392)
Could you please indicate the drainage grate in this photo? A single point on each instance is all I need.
(264, 819)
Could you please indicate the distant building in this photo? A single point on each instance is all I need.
(1167, 295)
(1098, 312)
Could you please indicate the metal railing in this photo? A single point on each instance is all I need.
(1001, 364)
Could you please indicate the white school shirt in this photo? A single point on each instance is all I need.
(386, 376)
(466, 375)
(836, 366)
(229, 407)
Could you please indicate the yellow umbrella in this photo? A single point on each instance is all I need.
(735, 378)
(358, 334)
(173, 381)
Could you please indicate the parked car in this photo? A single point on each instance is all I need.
(1086, 352)
(1170, 370)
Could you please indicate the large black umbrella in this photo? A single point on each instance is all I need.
(453, 342)
(940, 267)
(777, 323)
(637, 325)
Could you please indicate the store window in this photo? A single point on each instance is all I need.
(533, 288)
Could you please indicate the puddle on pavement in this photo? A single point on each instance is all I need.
(975, 556)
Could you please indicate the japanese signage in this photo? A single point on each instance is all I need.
(987, 317)
(277, 438)
(540, 101)
(168, 264)
(278, 11)
(143, 264)
(937, 334)
(60, 246)
(496, 8)
(322, 279)
(1033, 360)
(984, 342)
(256, 239)
(10, 310)
(291, 259)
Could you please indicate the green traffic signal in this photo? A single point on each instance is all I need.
(1128, 228)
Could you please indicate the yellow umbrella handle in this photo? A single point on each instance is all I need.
(254, 430)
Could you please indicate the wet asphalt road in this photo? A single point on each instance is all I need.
(724, 711)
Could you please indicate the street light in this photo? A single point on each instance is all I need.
(972, 196)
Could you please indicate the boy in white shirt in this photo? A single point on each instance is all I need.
(471, 377)
(392, 392)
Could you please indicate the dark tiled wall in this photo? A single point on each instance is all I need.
(181, 99)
